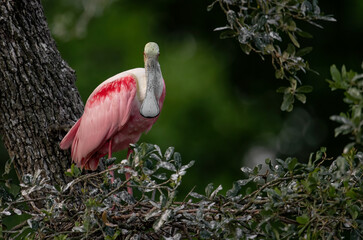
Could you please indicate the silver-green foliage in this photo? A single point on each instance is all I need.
(350, 122)
(289, 200)
(271, 28)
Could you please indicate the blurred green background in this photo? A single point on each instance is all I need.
(221, 107)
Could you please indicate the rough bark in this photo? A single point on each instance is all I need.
(37, 91)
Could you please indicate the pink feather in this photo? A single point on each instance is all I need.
(111, 115)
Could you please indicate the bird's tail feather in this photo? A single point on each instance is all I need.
(68, 139)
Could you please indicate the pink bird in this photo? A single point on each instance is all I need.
(117, 112)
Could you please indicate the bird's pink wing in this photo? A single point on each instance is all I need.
(106, 112)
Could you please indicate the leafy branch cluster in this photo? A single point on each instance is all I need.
(351, 122)
(289, 200)
(97, 205)
(264, 26)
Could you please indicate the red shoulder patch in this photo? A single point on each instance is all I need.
(125, 83)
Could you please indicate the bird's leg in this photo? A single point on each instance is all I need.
(127, 175)
(110, 156)
(110, 149)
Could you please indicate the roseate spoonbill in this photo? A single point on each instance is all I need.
(117, 112)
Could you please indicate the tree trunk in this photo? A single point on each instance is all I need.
(37, 91)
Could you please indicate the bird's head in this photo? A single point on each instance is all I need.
(150, 105)
(151, 50)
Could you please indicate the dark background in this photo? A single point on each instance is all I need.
(221, 107)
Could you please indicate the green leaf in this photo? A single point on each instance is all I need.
(236, 187)
(266, 213)
(303, 219)
(322, 149)
(287, 102)
(257, 169)
(163, 218)
(281, 90)
(351, 194)
(292, 163)
(344, 72)
(215, 192)
(60, 237)
(162, 200)
(304, 89)
(332, 191)
(210, 7)
(320, 153)
(348, 147)
(205, 234)
(293, 84)
(327, 18)
(228, 34)
(354, 211)
(304, 51)
(75, 170)
(293, 40)
(304, 34)
(291, 25)
(277, 191)
(335, 74)
(177, 160)
(209, 189)
(354, 94)
(341, 119)
(301, 97)
(269, 48)
(290, 49)
(279, 74)
(169, 153)
(196, 195)
(8, 166)
(246, 48)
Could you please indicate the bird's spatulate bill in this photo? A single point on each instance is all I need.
(150, 106)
